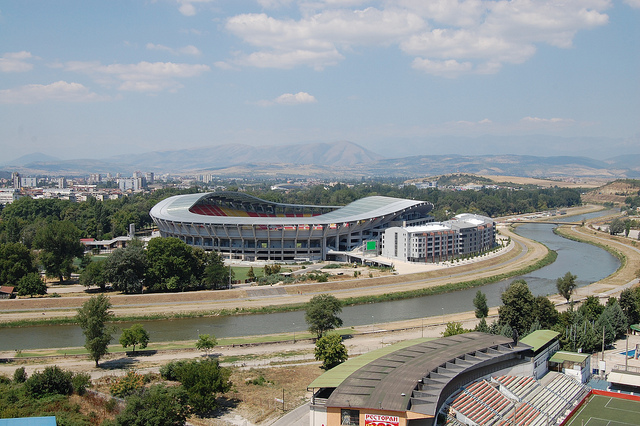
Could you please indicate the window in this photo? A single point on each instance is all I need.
(350, 417)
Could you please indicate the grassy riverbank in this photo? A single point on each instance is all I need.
(615, 253)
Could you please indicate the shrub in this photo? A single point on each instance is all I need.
(80, 382)
(53, 380)
(127, 384)
(170, 371)
(19, 376)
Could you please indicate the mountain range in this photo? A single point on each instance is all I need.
(343, 159)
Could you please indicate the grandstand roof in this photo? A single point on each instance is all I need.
(387, 382)
(539, 338)
(176, 208)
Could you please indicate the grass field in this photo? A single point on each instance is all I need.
(602, 410)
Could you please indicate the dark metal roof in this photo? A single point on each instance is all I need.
(391, 381)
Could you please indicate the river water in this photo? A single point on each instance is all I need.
(588, 262)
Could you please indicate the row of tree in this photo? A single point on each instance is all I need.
(21, 220)
(167, 265)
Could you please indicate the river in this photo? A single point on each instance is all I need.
(588, 262)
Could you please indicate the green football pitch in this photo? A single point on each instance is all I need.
(606, 411)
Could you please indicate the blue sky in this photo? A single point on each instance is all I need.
(91, 79)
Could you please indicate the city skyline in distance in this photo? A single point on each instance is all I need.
(93, 80)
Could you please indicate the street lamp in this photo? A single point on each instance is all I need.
(372, 323)
(294, 332)
(422, 328)
(442, 316)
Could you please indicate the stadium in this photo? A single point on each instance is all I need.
(471, 379)
(248, 228)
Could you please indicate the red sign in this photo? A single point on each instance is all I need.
(381, 420)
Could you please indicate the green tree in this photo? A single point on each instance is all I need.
(216, 275)
(134, 335)
(158, 405)
(545, 312)
(172, 265)
(591, 308)
(16, 261)
(93, 317)
(453, 328)
(203, 380)
(628, 301)
(31, 284)
(59, 244)
(330, 350)
(480, 303)
(517, 307)
(616, 226)
(125, 268)
(566, 285)
(93, 274)
(482, 326)
(322, 314)
(206, 342)
(251, 276)
(616, 317)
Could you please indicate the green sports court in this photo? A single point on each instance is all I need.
(605, 410)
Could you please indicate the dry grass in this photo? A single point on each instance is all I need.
(257, 402)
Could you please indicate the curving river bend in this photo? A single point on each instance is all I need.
(588, 262)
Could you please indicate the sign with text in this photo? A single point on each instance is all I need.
(381, 420)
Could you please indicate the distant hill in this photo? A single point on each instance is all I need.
(342, 160)
(30, 158)
(332, 154)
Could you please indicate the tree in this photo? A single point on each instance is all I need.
(453, 328)
(545, 312)
(330, 350)
(251, 275)
(629, 303)
(321, 314)
(216, 275)
(591, 308)
(93, 274)
(202, 380)
(566, 285)
(134, 335)
(616, 226)
(158, 405)
(517, 307)
(16, 261)
(93, 317)
(31, 284)
(482, 326)
(59, 244)
(172, 265)
(480, 302)
(126, 268)
(206, 342)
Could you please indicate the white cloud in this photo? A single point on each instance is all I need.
(187, 8)
(186, 50)
(59, 91)
(140, 77)
(633, 3)
(445, 37)
(15, 62)
(290, 99)
(555, 121)
(315, 40)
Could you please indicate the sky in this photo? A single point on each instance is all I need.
(94, 78)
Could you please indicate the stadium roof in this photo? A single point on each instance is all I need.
(176, 208)
(388, 381)
(539, 338)
(575, 357)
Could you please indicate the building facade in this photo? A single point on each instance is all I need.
(465, 234)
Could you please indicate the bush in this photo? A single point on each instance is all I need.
(53, 380)
(170, 371)
(127, 384)
(80, 382)
(19, 376)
